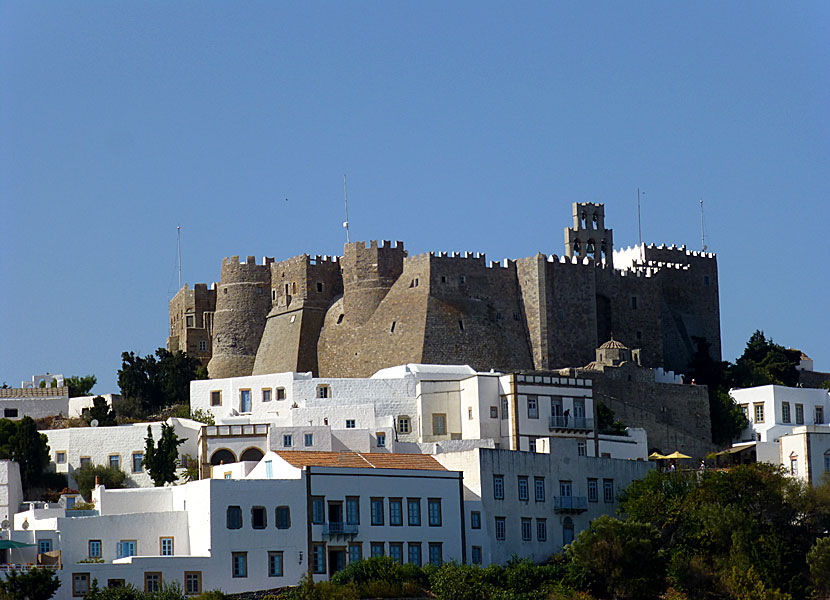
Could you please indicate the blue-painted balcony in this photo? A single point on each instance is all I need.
(335, 528)
(570, 504)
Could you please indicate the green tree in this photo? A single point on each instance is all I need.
(110, 477)
(23, 443)
(818, 559)
(606, 423)
(100, 412)
(161, 461)
(622, 558)
(34, 584)
(764, 362)
(80, 386)
(158, 381)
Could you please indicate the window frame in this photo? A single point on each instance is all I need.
(431, 503)
(498, 487)
(541, 530)
(440, 547)
(527, 529)
(262, 512)
(269, 393)
(593, 489)
(500, 528)
(413, 518)
(539, 489)
(475, 519)
(439, 418)
(236, 510)
(376, 511)
(318, 561)
(532, 406)
(187, 579)
(282, 517)
(100, 548)
(239, 565)
(154, 586)
(272, 555)
(523, 488)
(140, 462)
(608, 484)
(162, 541)
(76, 579)
(404, 424)
(396, 518)
(216, 397)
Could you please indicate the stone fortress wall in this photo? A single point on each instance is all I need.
(377, 307)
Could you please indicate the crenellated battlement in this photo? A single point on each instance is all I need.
(250, 261)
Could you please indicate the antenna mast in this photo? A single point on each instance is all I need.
(639, 225)
(702, 231)
(179, 232)
(346, 198)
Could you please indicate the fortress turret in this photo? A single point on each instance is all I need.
(588, 238)
(242, 303)
(368, 275)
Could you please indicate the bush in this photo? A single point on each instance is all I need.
(35, 583)
(110, 477)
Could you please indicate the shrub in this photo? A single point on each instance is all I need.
(35, 583)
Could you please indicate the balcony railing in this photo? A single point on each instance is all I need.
(570, 504)
(75, 512)
(569, 422)
(333, 528)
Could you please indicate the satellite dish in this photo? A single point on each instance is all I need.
(93, 423)
(5, 524)
(25, 524)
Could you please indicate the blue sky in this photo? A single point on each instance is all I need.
(461, 126)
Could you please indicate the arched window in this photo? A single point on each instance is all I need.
(794, 464)
(584, 219)
(222, 456)
(576, 246)
(251, 454)
(590, 249)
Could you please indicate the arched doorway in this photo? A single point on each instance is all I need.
(222, 456)
(252, 454)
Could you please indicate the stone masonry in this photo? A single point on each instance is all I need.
(376, 307)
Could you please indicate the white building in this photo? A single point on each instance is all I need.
(805, 453)
(119, 446)
(400, 409)
(34, 402)
(533, 504)
(290, 514)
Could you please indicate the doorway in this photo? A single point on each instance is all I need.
(337, 560)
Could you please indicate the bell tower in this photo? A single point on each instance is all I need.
(588, 238)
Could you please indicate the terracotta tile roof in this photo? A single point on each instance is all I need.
(361, 460)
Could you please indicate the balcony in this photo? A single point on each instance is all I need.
(570, 504)
(573, 423)
(335, 528)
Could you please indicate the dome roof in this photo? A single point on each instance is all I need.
(613, 344)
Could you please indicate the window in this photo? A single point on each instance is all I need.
(239, 564)
(234, 517)
(377, 511)
(275, 564)
(494, 412)
(126, 548)
(541, 530)
(462, 279)
(504, 407)
(323, 391)
(350, 424)
(80, 584)
(319, 287)
(94, 548)
(414, 549)
(287, 440)
(376, 549)
(216, 398)
(317, 510)
(793, 465)
(259, 517)
(475, 520)
(308, 439)
(395, 511)
(60, 457)
(70, 502)
(827, 461)
(593, 491)
(785, 412)
(413, 511)
(476, 554)
(396, 552)
(799, 414)
(152, 582)
(44, 546)
(381, 439)
(434, 512)
(115, 583)
(280, 393)
(819, 415)
(460, 325)
(532, 407)
(526, 530)
(469, 413)
(759, 413)
(85, 461)
(745, 410)
(266, 394)
(283, 517)
(498, 487)
(318, 558)
(439, 424)
(581, 448)
(532, 445)
(269, 469)
(435, 554)
(192, 582)
(608, 490)
(501, 528)
(524, 493)
(539, 488)
(392, 328)
(565, 488)
(166, 546)
(352, 510)
(115, 461)
(202, 346)
(404, 425)
(355, 552)
(189, 321)
(634, 302)
(244, 401)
